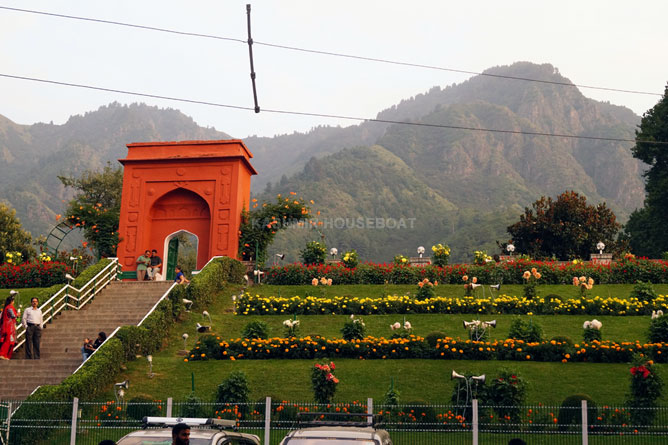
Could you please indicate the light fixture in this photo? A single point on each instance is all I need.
(479, 378)
(201, 329)
(149, 358)
(420, 251)
(119, 390)
(69, 277)
(13, 292)
(280, 256)
(475, 285)
(185, 341)
(491, 324)
(495, 286)
(206, 314)
(188, 304)
(258, 274)
(600, 246)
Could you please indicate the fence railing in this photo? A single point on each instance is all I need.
(69, 297)
(87, 423)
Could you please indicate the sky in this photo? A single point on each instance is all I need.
(615, 44)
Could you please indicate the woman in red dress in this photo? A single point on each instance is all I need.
(8, 329)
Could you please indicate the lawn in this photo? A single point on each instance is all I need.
(24, 295)
(417, 380)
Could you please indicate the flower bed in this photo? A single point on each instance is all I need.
(415, 347)
(39, 274)
(627, 271)
(248, 304)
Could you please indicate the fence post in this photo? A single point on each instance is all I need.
(474, 410)
(170, 401)
(585, 424)
(9, 418)
(369, 410)
(267, 420)
(75, 412)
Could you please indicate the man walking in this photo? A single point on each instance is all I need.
(33, 322)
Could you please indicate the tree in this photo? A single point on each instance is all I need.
(566, 228)
(96, 208)
(12, 236)
(646, 226)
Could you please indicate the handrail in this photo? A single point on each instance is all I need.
(174, 284)
(57, 302)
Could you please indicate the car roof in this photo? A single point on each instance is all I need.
(195, 433)
(347, 432)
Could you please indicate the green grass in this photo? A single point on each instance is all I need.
(24, 295)
(417, 380)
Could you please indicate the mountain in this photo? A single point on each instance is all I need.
(457, 186)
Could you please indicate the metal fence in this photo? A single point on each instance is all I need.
(87, 423)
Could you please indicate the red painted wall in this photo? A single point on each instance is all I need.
(197, 186)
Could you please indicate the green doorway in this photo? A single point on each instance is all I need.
(181, 251)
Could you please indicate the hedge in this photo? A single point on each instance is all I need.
(415, 347)
(626, 271)
(248, 304)
(101, 368)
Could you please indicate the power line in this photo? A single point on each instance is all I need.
(328, 53)
(329, 116)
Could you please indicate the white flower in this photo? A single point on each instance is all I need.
(395, 326)
(596, 324)
(295, 323)
(352, 316)
(288, 323)
(510, 248)
(586, 325)
(407, 325)
(333, 251)
(657, 314)
(420, 249)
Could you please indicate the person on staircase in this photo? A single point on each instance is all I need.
(180, 277)
(8, 327)
(156, 264)
(33, 322)
(143, 262)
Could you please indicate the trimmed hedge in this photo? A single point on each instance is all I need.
(626, 271)
(249, 304)
(415, 347)
(102, 367)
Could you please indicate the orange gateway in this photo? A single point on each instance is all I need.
(194, 187)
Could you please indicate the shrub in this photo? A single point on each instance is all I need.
(530, 281)
(571, 414)
(350, 259)
(234, 391)
(255, 329)
(433, 337)
(38, 274)
(562, 339)
(507, 392)
(400, 260)
(323, 382)
(391, 396)
(314, 253)
(193, 407)
(529, 331)
(440, 254)
(646, 388)
(591, 334)
(425, 290)
(353, 329)
(658, 330)
(643, 291)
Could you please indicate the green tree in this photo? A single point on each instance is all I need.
(96, 207)
(646, 226)
(566, 228)
(12, 236)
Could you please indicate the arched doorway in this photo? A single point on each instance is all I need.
(180, 249)
(178, 212)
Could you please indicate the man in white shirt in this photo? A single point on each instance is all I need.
(33, 322)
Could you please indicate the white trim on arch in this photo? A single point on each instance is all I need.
(165, 250)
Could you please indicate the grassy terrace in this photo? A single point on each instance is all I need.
(417, 380)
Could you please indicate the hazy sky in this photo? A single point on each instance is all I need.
(618, 44)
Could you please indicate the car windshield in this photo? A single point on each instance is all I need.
(325, 440)
(158, 441)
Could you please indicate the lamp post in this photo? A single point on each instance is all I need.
(510, 248)
(601, 247)
(420, 251)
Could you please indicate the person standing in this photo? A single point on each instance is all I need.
(142, 265)
(156, 264)
(8, 327)
(180, 434)
(33, 322)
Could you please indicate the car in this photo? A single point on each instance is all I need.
(158, 431)
(321, 432)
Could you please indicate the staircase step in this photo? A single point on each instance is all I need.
(119, 304)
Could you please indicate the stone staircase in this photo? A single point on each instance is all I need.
(119, 304)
